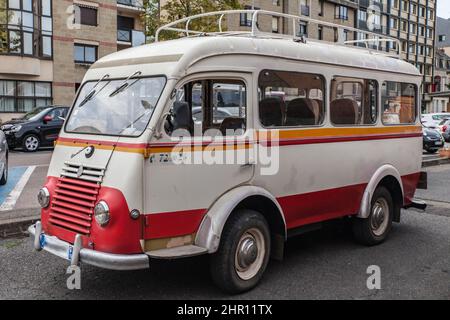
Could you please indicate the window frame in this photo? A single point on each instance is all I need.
(16, 97)
(378, 92)
(37, 34)
(325, 104)
(84, 23)
(69, 113)
(84, 53)
(214, 78)
(416, 105)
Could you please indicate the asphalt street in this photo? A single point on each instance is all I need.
(327, 264)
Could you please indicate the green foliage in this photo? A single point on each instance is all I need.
(178, 9)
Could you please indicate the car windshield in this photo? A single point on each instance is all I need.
(103, 109)
(35, 114)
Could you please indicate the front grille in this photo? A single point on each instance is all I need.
(89, 173)
(76, 193)
(73, 205)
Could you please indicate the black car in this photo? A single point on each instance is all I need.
(432, 140)
(38, 128)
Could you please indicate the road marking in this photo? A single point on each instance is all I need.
(14, 195)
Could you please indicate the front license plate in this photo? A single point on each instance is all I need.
(69, 253)
(438, 143)
(42, 241)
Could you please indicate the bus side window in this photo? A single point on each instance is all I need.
(217, 107)
(399, 103)
(288, 99)
(353, 101)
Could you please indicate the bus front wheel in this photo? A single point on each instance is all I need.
(375, 229)
(243, 253)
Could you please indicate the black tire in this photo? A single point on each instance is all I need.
(431, 151)
(25, 145)
(364, 230)
(4, 178)
(225, 263)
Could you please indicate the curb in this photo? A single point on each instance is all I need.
(435, 162)
(17, 222)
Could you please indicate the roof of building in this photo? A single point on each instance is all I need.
(187, 51)
(443, 28)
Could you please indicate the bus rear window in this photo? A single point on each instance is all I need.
(399, 103)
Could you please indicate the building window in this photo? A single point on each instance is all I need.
(442, 38)
(393, 23)
(24, 96)
(275, 24)
(246, 18)
(276, 3)
(87, 16)
(341, 12)
(303, 30)
(320, 33)
(18, 27)
(85, 53)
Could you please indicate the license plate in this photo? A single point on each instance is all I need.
(438, 143)
(42, 241)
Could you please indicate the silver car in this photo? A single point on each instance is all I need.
(3, 159)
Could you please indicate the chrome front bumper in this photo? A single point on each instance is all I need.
(76, 253)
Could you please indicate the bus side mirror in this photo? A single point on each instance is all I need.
(181, 117)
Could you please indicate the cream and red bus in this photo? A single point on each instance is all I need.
(312, 131)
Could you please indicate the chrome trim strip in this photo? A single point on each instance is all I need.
(99, 259)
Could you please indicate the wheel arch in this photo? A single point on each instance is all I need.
(243, 197)
(389, 177)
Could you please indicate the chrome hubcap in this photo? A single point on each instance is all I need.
(250, 254)
(379, 217)
(32, 143)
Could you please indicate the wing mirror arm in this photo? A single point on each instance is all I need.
(159, 126)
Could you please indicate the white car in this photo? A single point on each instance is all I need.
(3, 159)
(432, 120)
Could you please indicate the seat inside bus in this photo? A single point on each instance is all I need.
(302, 111)
(344, 111)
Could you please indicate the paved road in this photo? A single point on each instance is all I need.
(414, 262)
(27, 173)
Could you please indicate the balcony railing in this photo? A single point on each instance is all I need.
(133, 37)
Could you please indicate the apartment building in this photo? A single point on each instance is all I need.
(443, 34)
(46, 47)
(413, 22)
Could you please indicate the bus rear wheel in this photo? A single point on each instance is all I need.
(243, 253)
(375, 229)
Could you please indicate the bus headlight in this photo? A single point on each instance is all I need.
(44, 197)
(101, 213)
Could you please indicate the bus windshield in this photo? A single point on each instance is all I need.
(115, 107)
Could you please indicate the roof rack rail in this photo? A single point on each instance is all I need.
(372, 42)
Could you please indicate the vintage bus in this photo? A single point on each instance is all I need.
(338, 124)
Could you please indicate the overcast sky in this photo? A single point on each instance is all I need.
(443, 9)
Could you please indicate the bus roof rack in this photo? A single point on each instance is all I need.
(371, 41)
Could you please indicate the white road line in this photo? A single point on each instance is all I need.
(14, 195)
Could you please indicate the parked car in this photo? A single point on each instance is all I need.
(445, 129)
(432, 120)
(38, 128)
(3, 159)
(432, 140)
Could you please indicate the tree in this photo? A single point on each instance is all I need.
(179, 9)
(151, 18)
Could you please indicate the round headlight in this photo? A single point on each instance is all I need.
(44, 197)
(101, 213)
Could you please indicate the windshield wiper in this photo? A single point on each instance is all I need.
(125, 84)
(93, 92)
